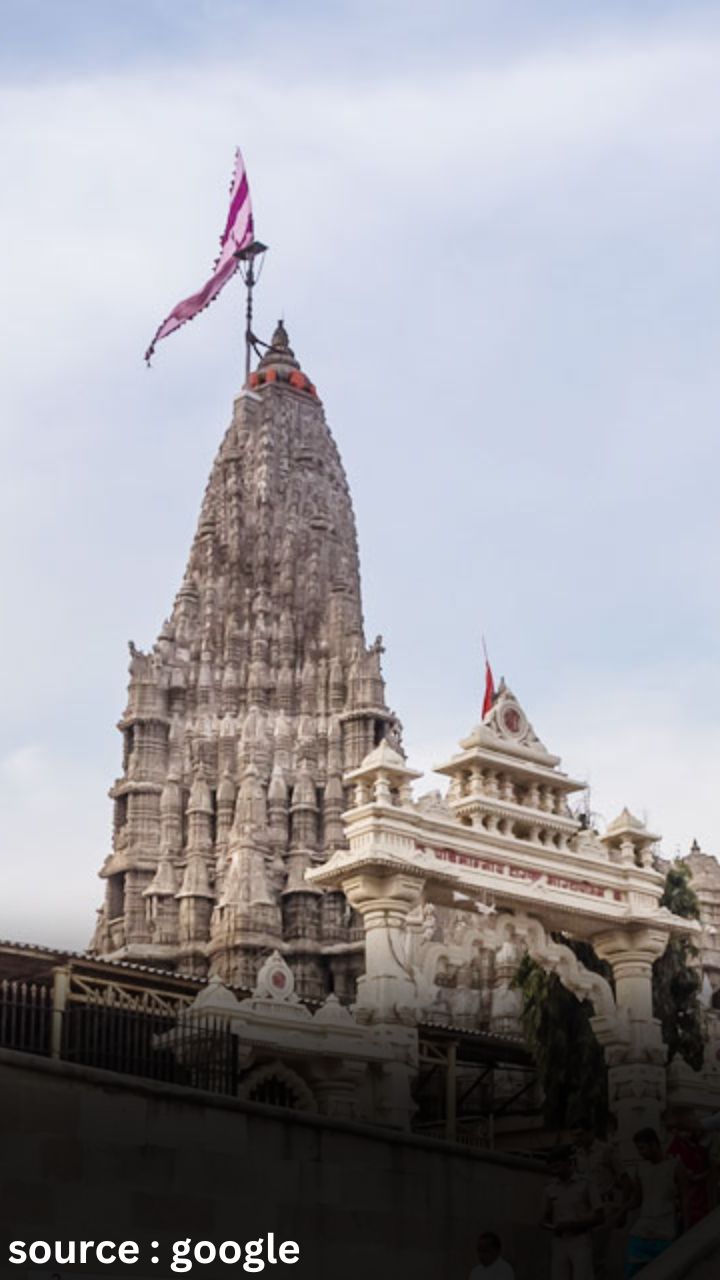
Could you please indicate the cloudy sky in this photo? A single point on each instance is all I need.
(495, 240)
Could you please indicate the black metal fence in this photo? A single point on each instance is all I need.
(26, 1010)
(196, 1051)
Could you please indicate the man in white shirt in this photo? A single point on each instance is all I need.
(658, 1191)
(491, 1265)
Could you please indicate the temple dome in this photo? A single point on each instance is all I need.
(279, 364)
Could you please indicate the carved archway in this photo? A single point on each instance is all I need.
(277, 1085)
(557, 958)
(476, 933)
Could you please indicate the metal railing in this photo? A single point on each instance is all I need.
(25, 1016)
(98, 1031)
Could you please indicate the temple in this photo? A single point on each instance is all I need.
(455, 891)
(259, 694)
(267, 838)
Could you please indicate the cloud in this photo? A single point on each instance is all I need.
(118, 176)
(500, 270)
(55, 826)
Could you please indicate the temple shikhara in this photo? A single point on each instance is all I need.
(260, 694)
(266, 840)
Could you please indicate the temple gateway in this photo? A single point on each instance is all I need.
(267, 841)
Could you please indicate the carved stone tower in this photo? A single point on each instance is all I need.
(258, 695)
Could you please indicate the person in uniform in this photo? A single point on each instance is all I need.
(572, 1209)
(600, 1163)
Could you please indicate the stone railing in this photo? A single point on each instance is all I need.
(695, 1256)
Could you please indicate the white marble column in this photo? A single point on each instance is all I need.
(634, 1049)
(386, 993)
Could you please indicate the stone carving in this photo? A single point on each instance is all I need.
(257, 697)
(507, 720)
(506, 937)
(434, 802)
(297, 1094)
(275, 980)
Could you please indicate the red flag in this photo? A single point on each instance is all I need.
(489, 690)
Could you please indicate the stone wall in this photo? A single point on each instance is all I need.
(89, 1154)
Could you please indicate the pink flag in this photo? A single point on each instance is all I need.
(238, 234)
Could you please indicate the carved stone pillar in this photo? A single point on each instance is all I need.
(336, 1086)
(506, 1004)
(634, 1051)
(386, 993)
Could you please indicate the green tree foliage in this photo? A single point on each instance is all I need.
(678, 894)
(676, 982)
(570, 1062)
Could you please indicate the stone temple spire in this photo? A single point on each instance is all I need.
(258, 695)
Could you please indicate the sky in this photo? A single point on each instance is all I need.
(494, 237)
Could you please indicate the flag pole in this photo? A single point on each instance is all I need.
(250, 284)
(246, 258)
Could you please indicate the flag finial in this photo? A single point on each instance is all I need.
(279, 352)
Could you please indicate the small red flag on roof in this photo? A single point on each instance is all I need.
(489, 685)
